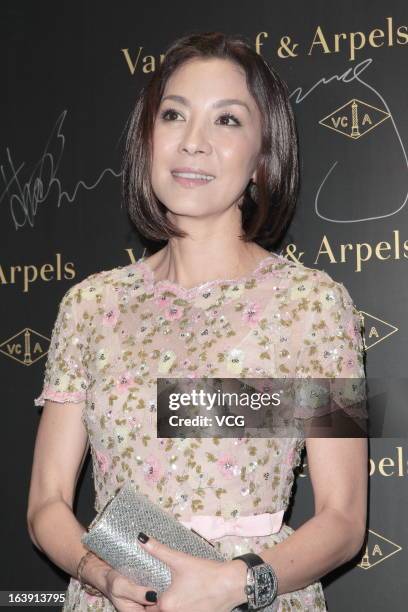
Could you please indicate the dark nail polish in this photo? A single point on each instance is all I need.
(143, 538)
(151, 596)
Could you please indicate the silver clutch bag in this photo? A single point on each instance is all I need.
(112, 536)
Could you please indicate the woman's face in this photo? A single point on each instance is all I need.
(209, 122)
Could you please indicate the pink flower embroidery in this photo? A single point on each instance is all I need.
(103, 461)
(91, 598)
(228, 466)
(309, 599)
(162, 301)
(110, 317)
(124, 381)
(349, 360)
(173, 312)
(250, 314)
(151, 469)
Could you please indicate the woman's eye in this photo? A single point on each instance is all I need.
(166, 113)
(170, 114)
(230, 116)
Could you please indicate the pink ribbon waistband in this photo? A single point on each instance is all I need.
(213, 527)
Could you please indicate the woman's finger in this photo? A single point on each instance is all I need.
(124, 588)
(129, 606)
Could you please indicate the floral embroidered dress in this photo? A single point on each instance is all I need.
(118, 330)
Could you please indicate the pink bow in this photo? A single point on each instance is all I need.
(213, 527)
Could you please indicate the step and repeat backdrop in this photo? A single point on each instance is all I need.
(71, 74)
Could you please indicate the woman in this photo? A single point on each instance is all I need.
(211, 168)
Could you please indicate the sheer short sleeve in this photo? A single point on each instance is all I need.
(65, 378)
(331, 347)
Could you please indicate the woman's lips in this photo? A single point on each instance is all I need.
(190, 182)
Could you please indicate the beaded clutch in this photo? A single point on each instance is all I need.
(112, 536)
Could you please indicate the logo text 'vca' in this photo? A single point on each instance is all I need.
(354, 119)
(26, 347)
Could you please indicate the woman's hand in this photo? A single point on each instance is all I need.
(198, 584)
(126, 595)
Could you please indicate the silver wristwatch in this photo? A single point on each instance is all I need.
(262, 583)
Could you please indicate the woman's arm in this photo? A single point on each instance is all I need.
(339, 473)
(60, 450)
(59, 454)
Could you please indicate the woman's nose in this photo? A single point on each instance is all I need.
(195, 139)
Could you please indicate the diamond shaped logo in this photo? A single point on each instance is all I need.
(354, 119)
(26, 347)
(378, 549)
(376, 330)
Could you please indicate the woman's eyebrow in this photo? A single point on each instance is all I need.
(218, 104)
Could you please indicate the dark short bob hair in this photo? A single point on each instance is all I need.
(268, 206)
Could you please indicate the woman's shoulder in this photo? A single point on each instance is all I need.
(313, 282)
(98, 285)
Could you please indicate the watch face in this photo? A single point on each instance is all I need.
(263, 590)
(264, 585)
